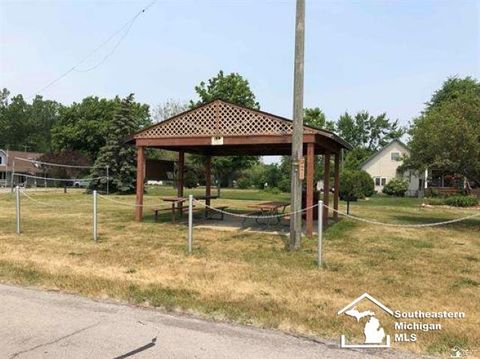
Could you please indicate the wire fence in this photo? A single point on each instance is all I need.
(269, 213)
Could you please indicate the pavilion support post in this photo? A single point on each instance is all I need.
(181, 179)
(310, 173)
(336, 194)
(181, 173)
(326, 189)
(208, 179)
(140, 183)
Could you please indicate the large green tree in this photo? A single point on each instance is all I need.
(26, 126)
(85, 126)
(316, 118)
(447, 134)
(233, 88)
(367, 131)
(119, 157)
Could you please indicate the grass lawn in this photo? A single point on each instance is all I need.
(250, 278)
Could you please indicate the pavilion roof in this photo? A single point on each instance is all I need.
(222, 119)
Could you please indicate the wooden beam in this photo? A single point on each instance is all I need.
(208, 179)
(181, 173)
(336, 194)
(140, 184)
(326, 189)
(230, 140)
(309, 184)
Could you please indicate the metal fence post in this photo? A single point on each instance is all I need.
(94, 215)
(17, 195)
(190, 223)
(320, 235)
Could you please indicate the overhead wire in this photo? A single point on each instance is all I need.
(128, 25)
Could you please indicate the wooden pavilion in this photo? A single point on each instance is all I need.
(220, 128)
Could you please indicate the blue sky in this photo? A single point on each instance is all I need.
(381, 56)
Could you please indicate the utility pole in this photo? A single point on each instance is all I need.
(297, 137)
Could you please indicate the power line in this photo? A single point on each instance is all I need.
(125, 27)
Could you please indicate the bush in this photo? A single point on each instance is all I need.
(396, 187)
(355, 184)
(433, 201)
(273, 190)
(461, 201)
(366, 183)
(284, 185)
(243, 183)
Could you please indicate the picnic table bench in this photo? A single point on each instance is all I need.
(177, 207)
(267, 209)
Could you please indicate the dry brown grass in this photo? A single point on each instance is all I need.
(249, 278)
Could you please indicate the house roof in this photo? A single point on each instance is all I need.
(20, 165)
(368, 160)
(243, 126)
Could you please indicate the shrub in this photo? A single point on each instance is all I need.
(396, 187)
(434, 201)
(284, 185)
(461, 201)
(243, 183)
(355, 184)
(273, 190)
(366, 183)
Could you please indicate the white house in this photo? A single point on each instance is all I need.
(383, 166)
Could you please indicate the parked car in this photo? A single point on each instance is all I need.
(80, 184)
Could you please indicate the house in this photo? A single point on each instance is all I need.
(19, 165)
(384, 164)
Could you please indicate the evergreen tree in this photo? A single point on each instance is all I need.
(119, 157)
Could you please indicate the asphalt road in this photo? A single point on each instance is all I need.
(40, 324)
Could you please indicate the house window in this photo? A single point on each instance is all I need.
(384, 181)
(377, 181)
(395, 156)
(1, 161)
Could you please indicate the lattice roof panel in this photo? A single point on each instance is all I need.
(222, 119)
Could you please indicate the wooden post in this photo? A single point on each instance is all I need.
(326, 189)
(140, 184)
(208, 179)
(297, 135)
(310, 173)
(181, 173)
(336, 195)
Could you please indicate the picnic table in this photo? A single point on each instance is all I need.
(267, 209)
(177, 206)
(175, 201)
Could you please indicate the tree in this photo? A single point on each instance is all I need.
(367, 131)
(85, 126)
(233, 88)
(452, 89)
(447, 135)
(168, 109)
(354, 185)
(26, 126)
(316, 118)
(67, 158)
(119, 157)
